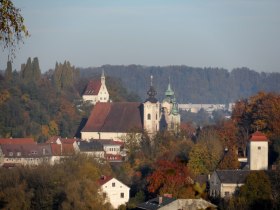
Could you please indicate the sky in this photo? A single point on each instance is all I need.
(199, 33)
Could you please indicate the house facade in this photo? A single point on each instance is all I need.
(24, 154)
(224, 183)
(114, 191)
(96, 91)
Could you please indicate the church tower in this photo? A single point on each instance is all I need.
(103, 94)
(170, 117)
(175, 117)
(151, 111)
(258, 151)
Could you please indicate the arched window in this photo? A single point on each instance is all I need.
(149, 116)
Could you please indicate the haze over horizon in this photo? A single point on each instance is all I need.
(90, 33)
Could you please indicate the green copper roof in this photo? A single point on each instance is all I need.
(169, 92)
(174, 110)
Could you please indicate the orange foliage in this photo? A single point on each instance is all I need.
(169, 177)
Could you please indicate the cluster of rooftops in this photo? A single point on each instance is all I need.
(25, 151)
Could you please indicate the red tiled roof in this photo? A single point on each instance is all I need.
(68, 141)
(93, 87)
(25, 150)
(17, 141)
(114, 117)
(104, 179)
(62, 149)
(258, 136)
(53, 139)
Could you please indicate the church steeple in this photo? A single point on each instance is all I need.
(168, 93)
(102, 77)
(152, 92)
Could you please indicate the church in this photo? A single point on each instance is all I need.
(96, 91)
(114, 120)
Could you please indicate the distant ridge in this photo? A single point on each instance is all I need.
(192, 85)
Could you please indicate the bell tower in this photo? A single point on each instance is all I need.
(258, 151)
(151, 113)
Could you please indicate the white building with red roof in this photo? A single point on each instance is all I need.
(114, 191)
(258, 151)
(96, 91)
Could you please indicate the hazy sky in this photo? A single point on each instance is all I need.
(199, 33)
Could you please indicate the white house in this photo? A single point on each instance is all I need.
(96, 91)
(224, 183)
(114, 191)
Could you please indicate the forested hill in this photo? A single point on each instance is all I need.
(192, 85)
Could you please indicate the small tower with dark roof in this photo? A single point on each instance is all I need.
(151, 111)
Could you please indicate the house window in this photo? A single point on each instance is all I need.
(122, 195)
(149, 116)
(259, 148)
(226, 194)
(113, 184)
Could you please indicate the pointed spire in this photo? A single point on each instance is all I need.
(168, 93)
(102, 74)
(152, 92)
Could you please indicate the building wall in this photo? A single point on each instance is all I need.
(229, 189)
(258, 155)
(215, 185)
(151, 117)
(102, 135)
(26, 160)
(96, 154)
(112, 149)
(91, 98)
(114, 190)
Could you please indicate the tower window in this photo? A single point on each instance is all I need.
(149, 116)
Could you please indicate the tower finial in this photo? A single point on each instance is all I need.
(151, 80)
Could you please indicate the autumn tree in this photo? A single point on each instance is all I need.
(12, 28)
(206, 153)
(259, 112)
(171, 177)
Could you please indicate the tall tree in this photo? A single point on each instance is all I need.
(9, 71)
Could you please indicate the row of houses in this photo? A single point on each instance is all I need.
(25, 151)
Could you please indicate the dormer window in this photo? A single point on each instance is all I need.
(10, 153)
(18, 153)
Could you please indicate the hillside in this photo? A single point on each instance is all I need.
(192, 85)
